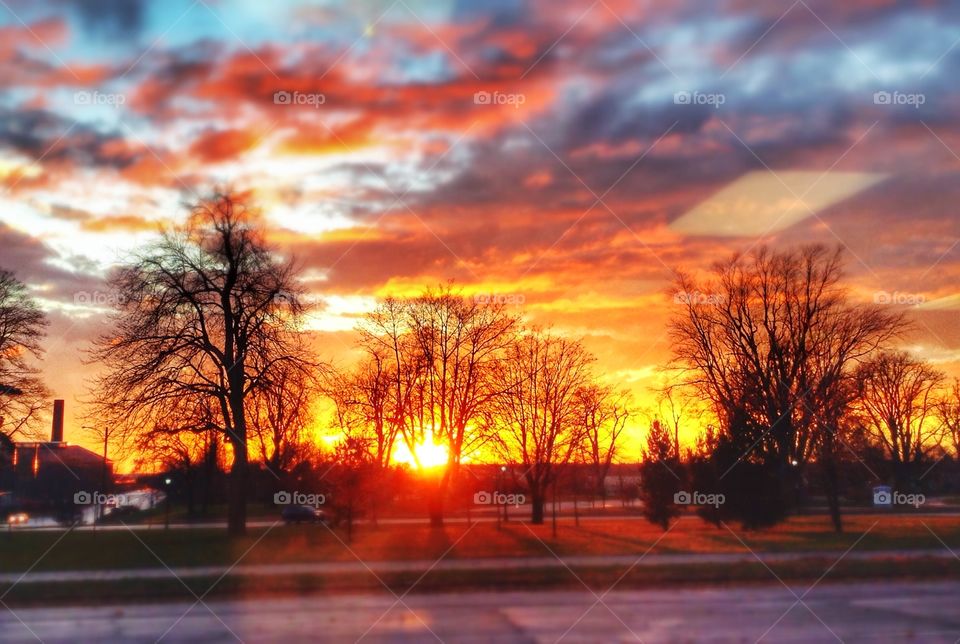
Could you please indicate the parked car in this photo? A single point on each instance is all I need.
(303, 514)
(18, 518)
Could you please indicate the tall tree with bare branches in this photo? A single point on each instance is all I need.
(604, 413)
(896, 399)
(948, 413)
(363, 406)
(539, 423)
(207, 310)
(771, 339)
(281, 410)
(186, 443)
(22, 327)
(443, 349)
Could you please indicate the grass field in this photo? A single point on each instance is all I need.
(48, 551)
(58, 551)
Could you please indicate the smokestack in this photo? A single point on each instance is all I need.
(57, 434)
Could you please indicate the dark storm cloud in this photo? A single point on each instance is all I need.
(32, 262)
(111, 18)
(39, 133)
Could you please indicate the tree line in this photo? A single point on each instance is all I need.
(468, 375)
(801, 385)
(206, 359)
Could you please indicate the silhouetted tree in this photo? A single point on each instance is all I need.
(353, 478)
(443, 349)
(208, 310)
(947, 410)
(22, 327)
(896, 403)
(191, 454)
(536, 411)
(605, 414)
(281, 409)
(660, 477)
(364, 406)
(674, 409)
(770, 341)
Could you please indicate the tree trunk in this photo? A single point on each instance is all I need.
(536, 503)
(435, 506)
(833, 495)
(210, 467)
(237, 510)
(832, 484)
(191, 504)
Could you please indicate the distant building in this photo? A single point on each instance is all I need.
(43, 477)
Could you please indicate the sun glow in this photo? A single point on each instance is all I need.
(428, 453)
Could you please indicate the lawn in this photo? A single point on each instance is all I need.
(53, 551)
(19, 550)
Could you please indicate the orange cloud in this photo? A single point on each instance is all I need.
(219, 145)
(118, 223)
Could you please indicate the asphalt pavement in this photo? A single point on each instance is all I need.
(874, 612)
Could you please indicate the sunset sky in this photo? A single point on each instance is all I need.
(567, 155)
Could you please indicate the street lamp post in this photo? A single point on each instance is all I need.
(496, 488)
(103, 470)
(506, 518)
(166, 522)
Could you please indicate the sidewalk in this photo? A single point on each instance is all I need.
(421, 566)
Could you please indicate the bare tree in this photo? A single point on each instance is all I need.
(185, 444)
(659, 481)
(947, 410)
(444, 348)
(22, 327)
(280, 411)
(208, 310)
(368, 423)
(538, 419)
(769, 340)
(896, 403)
(604, 414)
(387, 340)
(362, 402)
(674, 409)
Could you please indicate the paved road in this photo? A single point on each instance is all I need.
(266, 523)
(882, 612)
(467, 565)
(517, 516)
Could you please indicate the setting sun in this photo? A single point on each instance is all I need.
(428, 453)
(412, 320)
